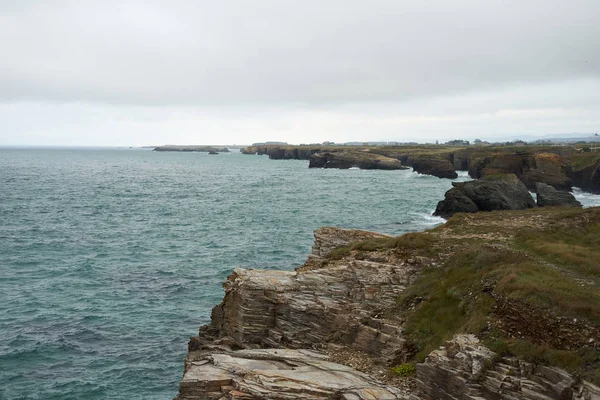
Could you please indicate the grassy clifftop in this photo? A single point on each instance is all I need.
(526, 282)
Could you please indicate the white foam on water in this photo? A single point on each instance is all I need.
(585, 198)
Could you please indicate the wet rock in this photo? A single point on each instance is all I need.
(276, 374)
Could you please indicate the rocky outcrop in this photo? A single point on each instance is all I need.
(530, 168)
(587, 177)
(327, 239)
(436, 167)
(286, 153)
(298, 309)
(275, 374)
(460, 160)
(504, 192)
(467, 370)
(303, 309)
(251, 150)
(547, 196)
(354, 159)
(551, 165)
(266, 337)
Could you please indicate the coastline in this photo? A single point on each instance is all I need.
(350, 312)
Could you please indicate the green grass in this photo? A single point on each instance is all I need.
(549, 265)
(409, 241)
(404, 370)
(544, 261)
(579, 161)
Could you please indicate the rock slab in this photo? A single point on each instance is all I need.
(276, 374)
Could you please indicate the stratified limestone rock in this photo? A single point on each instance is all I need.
(304, 309)
(354, 159)
(436, 167)
(503, 192)
(327, 239)
(467, 370)
(276, 374)
(547, 196)
(530, 168)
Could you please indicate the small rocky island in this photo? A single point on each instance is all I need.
(491, 305)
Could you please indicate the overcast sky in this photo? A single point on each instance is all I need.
(198, 72)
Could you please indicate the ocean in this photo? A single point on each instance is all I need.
(110, 259)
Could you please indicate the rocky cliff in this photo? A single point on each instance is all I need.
(354, 159)
(559, 166)
(491, 193)
(516, 313)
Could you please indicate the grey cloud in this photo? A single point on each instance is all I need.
(288, 52)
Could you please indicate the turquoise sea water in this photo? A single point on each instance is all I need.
(110, 259)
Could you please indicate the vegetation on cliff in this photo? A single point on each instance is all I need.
(526, 282)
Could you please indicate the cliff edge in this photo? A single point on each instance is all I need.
(500, 305)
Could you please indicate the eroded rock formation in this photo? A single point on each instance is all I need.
(354, 159)
(268, 337)
(436, 167)
(504, 192)
(465, 369)
(547, 196)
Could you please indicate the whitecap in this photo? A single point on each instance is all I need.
(586, 199)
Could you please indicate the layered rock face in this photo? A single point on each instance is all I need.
(276, 374)
(547, 196)
(467, 370)
(436, 167)
(304, 309)
(498, 193)
(266, 337)
(530, 168)
(357, 159)
(300, 309)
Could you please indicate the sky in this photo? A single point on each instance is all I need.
(149, 72)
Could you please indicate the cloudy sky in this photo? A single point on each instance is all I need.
(196, 72)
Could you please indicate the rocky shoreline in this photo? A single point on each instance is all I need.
(561, 167)
(334, 327)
